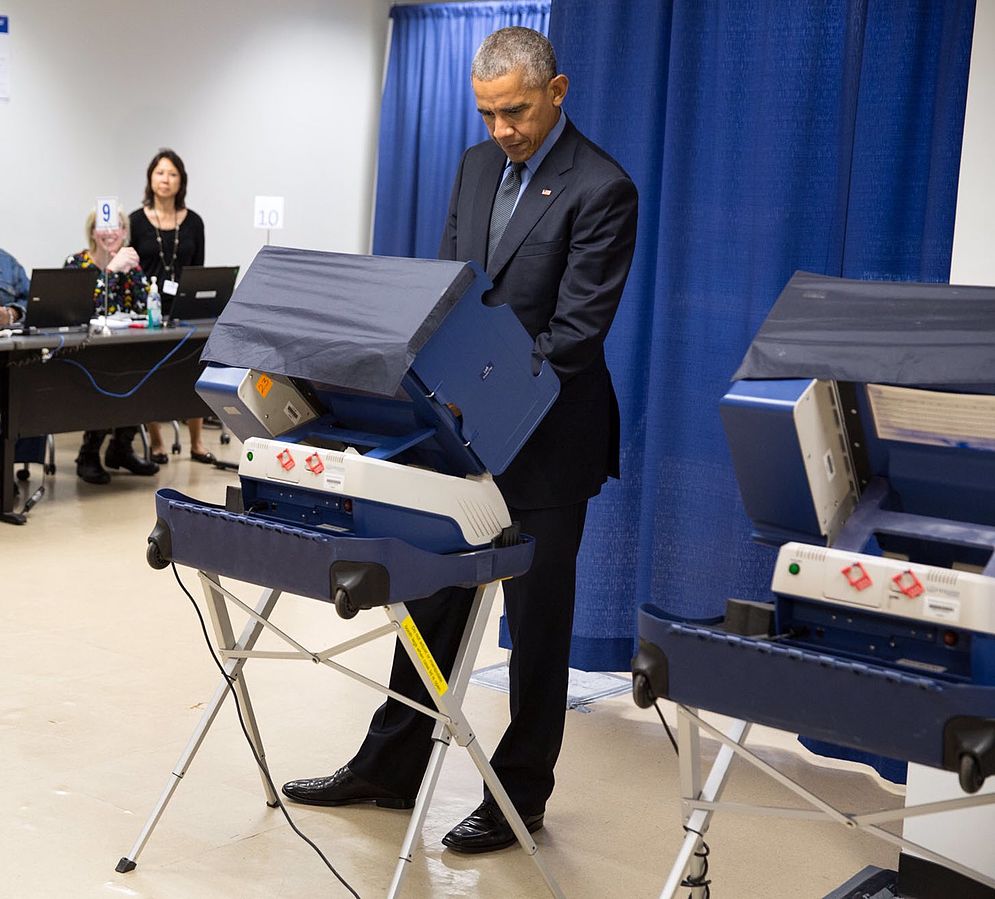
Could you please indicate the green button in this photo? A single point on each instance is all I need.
(793, 568)
(248, 456)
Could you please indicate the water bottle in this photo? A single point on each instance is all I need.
(154, 306)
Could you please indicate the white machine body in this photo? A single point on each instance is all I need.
(474, 503)
(890, 586)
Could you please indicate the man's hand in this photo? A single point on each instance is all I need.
(124, 260)
(9, 315)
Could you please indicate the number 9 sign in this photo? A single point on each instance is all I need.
(107, 214)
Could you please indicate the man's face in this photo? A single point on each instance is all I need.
(517, 117)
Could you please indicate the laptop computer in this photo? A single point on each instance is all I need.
(60, 299)
(203, 293)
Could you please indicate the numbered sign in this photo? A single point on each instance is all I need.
(107, 214)
(269, 213)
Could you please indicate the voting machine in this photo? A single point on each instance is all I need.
(861, 426)
(375, 399)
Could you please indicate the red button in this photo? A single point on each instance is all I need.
(908, 583)
(285, 459)
(856, 577)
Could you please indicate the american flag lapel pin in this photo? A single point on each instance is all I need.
(546, 191)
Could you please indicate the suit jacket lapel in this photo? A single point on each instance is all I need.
(544, 187)
(484, 191)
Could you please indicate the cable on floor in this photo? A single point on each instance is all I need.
(230, 681)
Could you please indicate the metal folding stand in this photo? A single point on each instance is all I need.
(700, 801)
(451, 723)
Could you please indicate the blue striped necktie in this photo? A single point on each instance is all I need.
(504, 205)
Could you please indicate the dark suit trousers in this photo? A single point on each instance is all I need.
(539, 608)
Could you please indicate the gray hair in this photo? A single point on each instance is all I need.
(515, 48)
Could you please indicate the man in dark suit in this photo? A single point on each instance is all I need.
(554, 217)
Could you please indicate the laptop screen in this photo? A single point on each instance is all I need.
(61, 298)
(203, 293)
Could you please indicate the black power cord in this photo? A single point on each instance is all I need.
(666, 727)
(700, 880)
(230, 681)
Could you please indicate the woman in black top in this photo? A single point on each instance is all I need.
(168, 236)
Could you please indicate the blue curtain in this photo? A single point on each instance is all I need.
(763, 138)
(429, 117)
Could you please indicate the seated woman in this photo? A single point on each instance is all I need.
(121, 288)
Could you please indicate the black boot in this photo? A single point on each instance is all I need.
(121, 455)
(88, 466)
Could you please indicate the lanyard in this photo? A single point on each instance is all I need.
(167, 269)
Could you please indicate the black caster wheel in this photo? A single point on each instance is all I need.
(175, 449)
(344, 606)
(642, 693)
(154, 557)
(969, 774)
(226, 439)
(49, 469)
(23, 474)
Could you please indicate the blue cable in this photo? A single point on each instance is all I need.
(145, 377)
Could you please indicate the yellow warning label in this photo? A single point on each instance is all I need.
(263, 385)
(424, 655)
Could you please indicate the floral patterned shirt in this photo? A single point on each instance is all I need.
(126, 291)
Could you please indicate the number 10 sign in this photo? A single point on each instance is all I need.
(269, 213)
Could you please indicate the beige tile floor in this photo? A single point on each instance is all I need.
(103, 673)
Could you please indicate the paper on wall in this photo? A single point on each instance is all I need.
(4, 57)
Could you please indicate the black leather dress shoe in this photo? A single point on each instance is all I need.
(89, 469)
(486, 829)
(343, 788)
(118, 456)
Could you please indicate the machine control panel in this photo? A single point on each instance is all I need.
(474, 503)
(890, 586)
(293, 463)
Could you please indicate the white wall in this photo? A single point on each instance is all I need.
(257, 97)
(973, 258)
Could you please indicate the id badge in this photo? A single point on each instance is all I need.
(170, 287)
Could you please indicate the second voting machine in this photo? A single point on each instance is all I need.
(861, 426)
